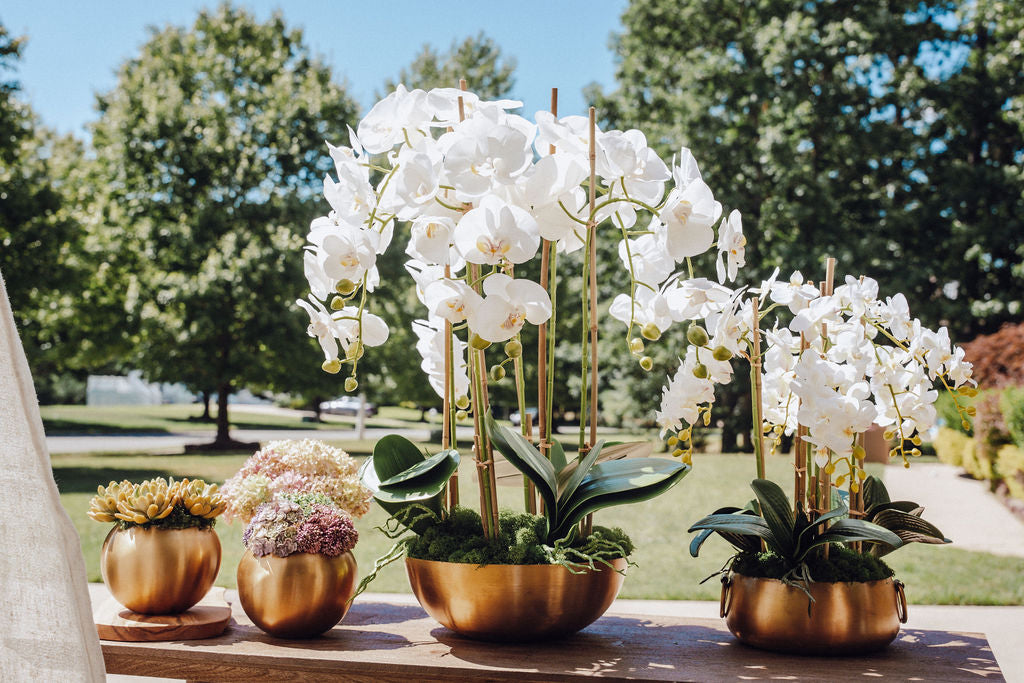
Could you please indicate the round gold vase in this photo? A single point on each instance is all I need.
(846, 617)
(506, 602)
(298, 596)
(159, 571)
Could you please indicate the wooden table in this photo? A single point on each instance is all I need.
(390, 642)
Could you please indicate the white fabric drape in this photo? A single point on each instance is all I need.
(46, 627)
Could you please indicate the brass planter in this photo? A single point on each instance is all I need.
(299, 596)
(159, 571)
(845, 618)
(515, 603)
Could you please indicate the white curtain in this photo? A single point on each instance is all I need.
(46, 627)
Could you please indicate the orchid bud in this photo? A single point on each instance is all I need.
(697, 336)
(513, 349)
(829, 468)
(351, 384)
(337, 303)
(478, 342)
(650, 331)
(672, 441)
(888, 434)
(647, 363)
(915, 452)
(462, 402)
(461, 415)
(966, 425)
(706, 418)
(354, 351)
(855, 486)
(332, 366)
(916, 439)
(678, 452)
(345, 287)
(859, 452)
(700, 371)
(636, 346)
(721, 353)
(971, 410)
(497, 373)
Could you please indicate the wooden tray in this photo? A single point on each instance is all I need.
(208, 619)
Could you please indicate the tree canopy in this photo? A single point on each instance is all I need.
(478, 59)
(211, 147)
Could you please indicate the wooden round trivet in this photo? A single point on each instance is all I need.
(115, 622)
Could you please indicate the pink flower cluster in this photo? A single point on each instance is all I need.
(306, 466)
(282, 527)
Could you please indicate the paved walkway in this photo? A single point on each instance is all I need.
(962, 508)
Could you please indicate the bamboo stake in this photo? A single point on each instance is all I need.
(592, 235)
(755, 372)
(800, 463)
(826, 477)
(542, 331)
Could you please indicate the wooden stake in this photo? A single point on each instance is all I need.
(755, 371)
(542, 331)
(592, 233)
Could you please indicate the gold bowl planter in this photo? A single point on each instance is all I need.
(298, 596)
(159, 571)
(517, 603)
(845, 618)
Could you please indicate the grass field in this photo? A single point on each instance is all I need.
(934, 575)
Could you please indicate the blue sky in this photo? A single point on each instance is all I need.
(75, 48)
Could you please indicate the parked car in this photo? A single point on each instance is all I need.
(515, 419)
(346, 405)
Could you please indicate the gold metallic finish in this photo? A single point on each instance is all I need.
(845, 618)
(507, 602)
(299, 596)
(159, 571)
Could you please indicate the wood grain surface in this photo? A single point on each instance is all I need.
(389, 642)
(208, 619)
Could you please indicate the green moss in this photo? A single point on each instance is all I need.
(460, 539)
(842, 565)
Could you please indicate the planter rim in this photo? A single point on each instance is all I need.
(815, 583)
(497, 564)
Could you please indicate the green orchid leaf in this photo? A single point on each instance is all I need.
(902, 505)
(618, 482)
(394, 454)
(528, 460)
(911, 528)
(740, 542)
(874, 492)
(736, 524)
(776, 513)
(439, 465)
(810, 529)
(556, 455)
(571, 475)
(849, 530)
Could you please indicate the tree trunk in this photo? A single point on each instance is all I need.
(206, 407)
(317, 400)
(223, 391)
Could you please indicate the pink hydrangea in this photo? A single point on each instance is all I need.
(327, 531)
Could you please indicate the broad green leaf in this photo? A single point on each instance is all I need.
(901, 505)
(737, 524)
(806, 534)
(739, 541)
(528, 460)
(438, 466)
(848, 530)
(875, 492)
(910, 528)
(394, 454)
(619, 482)
(631, 449)
(557, 455)
(571, 475)
(777, 514)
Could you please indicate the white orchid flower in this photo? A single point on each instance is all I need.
(344, 252)
(319, 284)
(372, 331)
(496, 232)
(321, 326)
(431, 240)
(508, 304)
(684, 224)
(624, 157)
(399, 114)
(485, 151)
(452, 300)
(647, 258)
(795, 294)
(413, 187)
(649, 307)
(444, 103)
(683, 396)
(430, 344)
(731, 247)
(694, 298)
(423, 275)
(570, 135)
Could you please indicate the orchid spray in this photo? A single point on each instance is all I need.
(480, 191)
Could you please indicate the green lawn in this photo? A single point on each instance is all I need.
(934, 575)
(74, 419)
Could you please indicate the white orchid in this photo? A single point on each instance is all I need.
(400, 114)
(650, 262)
(430, 345)
(507, 305)
(683, 397)
(322, 327)
(684, 224)
(452, 300)
(649, 307)
(485, 151)
(731, 247)
(431, 240)
(496, 233)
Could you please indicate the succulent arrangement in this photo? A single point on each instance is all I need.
(158, 502)
(304, 523)
(295, 467)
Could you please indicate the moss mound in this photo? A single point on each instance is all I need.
(459, 539)
(843, 564)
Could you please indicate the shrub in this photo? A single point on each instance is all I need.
(1010, 464)
(950, 446)
(1012, 405)
(950, 417)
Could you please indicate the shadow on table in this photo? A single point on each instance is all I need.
(628, 646)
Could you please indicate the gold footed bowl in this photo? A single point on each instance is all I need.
(509, 602)
(299, 596)
(159, 571)
(845, 618)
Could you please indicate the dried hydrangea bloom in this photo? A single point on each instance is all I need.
(327, 531)
(296, 466)
(274, 528)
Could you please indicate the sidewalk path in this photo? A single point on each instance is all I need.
(962, 508)
(175, 442)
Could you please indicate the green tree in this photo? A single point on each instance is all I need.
(847, 130)
(211, 151)
(478, 59)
